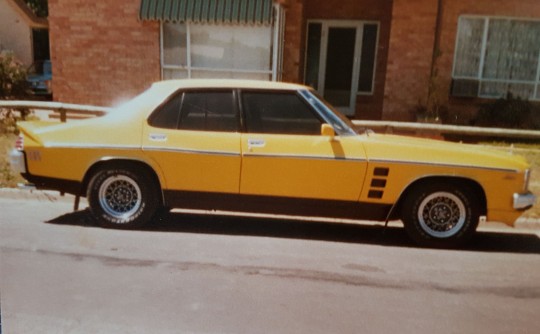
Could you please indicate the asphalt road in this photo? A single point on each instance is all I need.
(220, 274)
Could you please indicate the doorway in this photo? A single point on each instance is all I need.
(340, 60)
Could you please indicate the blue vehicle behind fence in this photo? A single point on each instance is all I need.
(40, 83)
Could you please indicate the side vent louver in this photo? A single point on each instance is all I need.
(378, 182)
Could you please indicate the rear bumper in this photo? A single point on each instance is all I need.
(524, 201)
(17, 160)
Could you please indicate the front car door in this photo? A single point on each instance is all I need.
(194, 138)
(285, 155)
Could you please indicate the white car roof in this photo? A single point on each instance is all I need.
(226, 83)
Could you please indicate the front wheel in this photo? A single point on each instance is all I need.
(440, 215)
(122, 198)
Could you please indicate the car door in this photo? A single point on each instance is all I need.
(194, 138)
(285, 155)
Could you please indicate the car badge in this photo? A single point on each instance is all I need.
(158, 137)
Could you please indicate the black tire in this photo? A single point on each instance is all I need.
(122, 198)
(440, 215)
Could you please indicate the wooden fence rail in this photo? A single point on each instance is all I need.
(63, 109)
(391, 127)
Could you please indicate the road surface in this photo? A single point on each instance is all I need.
(219, 274)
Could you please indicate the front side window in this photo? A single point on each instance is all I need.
(279, 113)
(196, 110)
(495, 57)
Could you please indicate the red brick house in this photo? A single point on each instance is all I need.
(375, 59)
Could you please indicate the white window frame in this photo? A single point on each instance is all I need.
(274, 71)
(479, 76)
(359, 25)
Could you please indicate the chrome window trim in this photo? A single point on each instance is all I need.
(92, 146)
(442, 165)
(313, 157)
(189, 151)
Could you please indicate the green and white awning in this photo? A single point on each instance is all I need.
(208, 11)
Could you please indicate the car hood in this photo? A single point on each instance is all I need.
(392, 148)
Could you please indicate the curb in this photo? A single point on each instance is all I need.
(524, 223)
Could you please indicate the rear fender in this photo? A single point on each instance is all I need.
(29, 129)
(123, 163)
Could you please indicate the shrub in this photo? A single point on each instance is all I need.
(13, 82)
(511, 112)
(13, 85)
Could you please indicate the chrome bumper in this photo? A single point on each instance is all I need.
(524, 201)
(16, 160)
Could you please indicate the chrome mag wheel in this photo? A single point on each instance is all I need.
(442, 214)
(120, 196)
(123, 197)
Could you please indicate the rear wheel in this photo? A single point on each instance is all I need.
(440, 215)
(122, 198)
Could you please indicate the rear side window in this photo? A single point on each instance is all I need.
(211, 111)
(167, 115)
(198, 110)
(279, 113)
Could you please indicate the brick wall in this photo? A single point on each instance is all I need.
(409, 57)
(411, 52)
(463, 109)
(101, 53)
(293, 37)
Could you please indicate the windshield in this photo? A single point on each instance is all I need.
(341, 124)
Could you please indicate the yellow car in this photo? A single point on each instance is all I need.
(267, 147)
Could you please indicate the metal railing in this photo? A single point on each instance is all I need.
(430, 128)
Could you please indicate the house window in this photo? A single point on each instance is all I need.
(216, 51)
(496, 57)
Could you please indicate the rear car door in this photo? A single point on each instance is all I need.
(285, 155)
(194, 138)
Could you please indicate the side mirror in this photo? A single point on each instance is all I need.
(327, 130)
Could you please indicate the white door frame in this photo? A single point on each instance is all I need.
(323, 52)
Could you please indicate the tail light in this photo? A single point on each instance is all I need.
(526, 180)
(19, 143)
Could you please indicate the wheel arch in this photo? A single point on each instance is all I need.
(469, 185)
(137, 165)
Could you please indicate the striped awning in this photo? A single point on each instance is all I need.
(208, 11)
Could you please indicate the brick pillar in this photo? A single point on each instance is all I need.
(292, 48)
(410, 53)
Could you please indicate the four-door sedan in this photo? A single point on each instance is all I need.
(267, 147)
